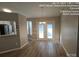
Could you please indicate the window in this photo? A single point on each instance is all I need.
(29, 27)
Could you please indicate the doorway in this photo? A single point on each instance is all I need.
(45, 31)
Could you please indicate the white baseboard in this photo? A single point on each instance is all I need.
(71, 55)
(9, 50)
(68, 54)
(23, 45)
(13, 49)
(66, 51)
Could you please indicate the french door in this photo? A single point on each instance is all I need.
(45, 30)
(49, 31)
(41, 30)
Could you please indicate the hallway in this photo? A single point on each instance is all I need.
(38, 49)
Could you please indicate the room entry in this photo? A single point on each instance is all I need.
(45, 30)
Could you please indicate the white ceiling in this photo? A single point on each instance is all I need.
(31, 9)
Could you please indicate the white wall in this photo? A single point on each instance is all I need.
(69, 28)
(23, 30)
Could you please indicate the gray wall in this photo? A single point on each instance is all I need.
(69, 29)
(9, 42)
(14, 41)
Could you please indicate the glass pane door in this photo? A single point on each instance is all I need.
(41, 29)
(49, 31)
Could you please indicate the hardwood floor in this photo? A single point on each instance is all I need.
(38, 49)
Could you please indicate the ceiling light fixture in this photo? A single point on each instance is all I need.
(6, 10)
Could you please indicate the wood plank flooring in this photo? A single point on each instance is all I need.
(38, 49)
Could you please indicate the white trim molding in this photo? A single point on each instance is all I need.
(68, 54)
(13, 49)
